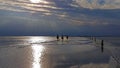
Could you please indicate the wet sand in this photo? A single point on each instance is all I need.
(74, 53)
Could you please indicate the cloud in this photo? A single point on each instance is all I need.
(27, 6)
(99, 4)
(92, 65)
(56, 13)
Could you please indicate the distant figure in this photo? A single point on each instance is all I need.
(95, 39)
(62, 37)
(67, 37)
(57, 37)
(102, 45)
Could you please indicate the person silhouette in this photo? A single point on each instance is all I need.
(62, 37)
(57, 37)
(67, 37)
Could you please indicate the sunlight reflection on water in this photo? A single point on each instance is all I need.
(37, 39)
(37, 52)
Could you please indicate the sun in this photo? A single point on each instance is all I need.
(35, 1)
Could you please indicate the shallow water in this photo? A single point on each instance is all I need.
(47, 52)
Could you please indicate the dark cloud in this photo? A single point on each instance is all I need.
(51, 17)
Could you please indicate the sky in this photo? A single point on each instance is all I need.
(63, 17)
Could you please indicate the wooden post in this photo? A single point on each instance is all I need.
(102, 45)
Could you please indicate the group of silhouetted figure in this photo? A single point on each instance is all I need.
(62, 37)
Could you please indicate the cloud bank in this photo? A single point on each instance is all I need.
(99, 4)
(72, 15)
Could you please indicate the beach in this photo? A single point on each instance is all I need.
(48, 52)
